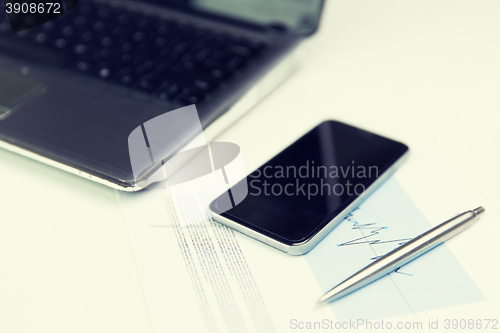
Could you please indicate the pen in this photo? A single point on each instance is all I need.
(403, 254)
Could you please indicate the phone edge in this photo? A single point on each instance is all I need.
(307, 245)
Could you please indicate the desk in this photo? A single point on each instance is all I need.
(407, 70)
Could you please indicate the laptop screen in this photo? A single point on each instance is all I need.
(297, 16)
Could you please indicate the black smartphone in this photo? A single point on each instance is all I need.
(301, 194)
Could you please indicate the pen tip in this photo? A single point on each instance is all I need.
(321, 300)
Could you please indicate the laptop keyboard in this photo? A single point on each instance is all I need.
(163, 57)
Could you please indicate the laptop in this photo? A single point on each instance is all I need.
(73, 89)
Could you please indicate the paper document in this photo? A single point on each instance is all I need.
(206, 277)
(194, 277)
(383, 222)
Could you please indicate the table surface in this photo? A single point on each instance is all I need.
(405, 69)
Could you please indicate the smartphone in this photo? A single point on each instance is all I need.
(295, 199)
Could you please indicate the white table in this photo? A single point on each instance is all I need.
(404, 69)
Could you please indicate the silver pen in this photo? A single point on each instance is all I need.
(403, 254)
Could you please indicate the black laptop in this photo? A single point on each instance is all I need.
(74, 88)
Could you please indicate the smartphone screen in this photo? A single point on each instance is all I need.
(295, 194)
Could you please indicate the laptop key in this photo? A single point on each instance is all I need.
(205, 85)
(124, 77)
(81, 66)
(138, 36)
(60, 43)
(106, 41)
(49, 26)
(190, 96)
(239, 50)
(235, 63)
(217, 73)
(80, 49)
(253, 43)
(99, 26)
(167, 92)
(149, 83)
(103, 12)
(104, 72)
(67, 31)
